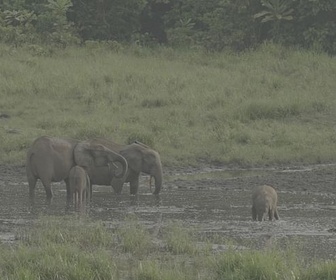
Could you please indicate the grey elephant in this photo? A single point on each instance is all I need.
(50, 160)
(139, 157)
(79, 185)
(264, 203)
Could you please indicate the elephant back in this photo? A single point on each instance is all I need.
(108, 144)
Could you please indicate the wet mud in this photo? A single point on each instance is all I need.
(215, 202)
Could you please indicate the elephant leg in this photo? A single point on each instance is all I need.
(32, 184)
(260, 216)
(80, 197)
(88, 192)
(68, 191)
(84, 195)
(117, 185)
(76, 199)
(134, 185)
(254, 214)
(69, 200)
(276, 214)
(46, 182)
(271, 214)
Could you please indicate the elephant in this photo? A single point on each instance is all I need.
(264, 202)
(139, 157)
(79, 185)
(50, 160)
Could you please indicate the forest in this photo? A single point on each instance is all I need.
(211, 25)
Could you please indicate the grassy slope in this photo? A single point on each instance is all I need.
(270, 106)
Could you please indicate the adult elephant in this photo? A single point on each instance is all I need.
(139, 157)
(50, 160)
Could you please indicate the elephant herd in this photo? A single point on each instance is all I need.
(81, 164)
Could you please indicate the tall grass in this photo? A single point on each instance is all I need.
(179, 240)
(134, 237)
(269, 106)
(69, 248)
(321, 271)
(256, 265)
(60, 248)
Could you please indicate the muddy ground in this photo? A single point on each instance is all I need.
(216, 202)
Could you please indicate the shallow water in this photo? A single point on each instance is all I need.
(215, 202)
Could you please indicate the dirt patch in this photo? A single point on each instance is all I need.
(216, 202)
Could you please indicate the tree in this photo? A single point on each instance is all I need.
(107, 19)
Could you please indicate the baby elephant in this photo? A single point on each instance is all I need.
(79, 184)
(264, 202)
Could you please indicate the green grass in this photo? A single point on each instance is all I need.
(134, 238)
(321, 271)
(269, 106)
(72, 248)
(59, 248)
(256, 265)
(179, 240)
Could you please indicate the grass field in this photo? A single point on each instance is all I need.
(72, 248)
(269, 106)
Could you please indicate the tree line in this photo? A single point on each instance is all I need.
(210, 24)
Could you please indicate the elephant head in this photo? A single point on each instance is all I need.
(89, 155)
(141, 158)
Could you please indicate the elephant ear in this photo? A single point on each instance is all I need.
(87, 154)
(99, 154)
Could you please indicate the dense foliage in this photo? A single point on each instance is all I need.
(210, 24)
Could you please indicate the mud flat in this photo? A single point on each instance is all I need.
(216, 202)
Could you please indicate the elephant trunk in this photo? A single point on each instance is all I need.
(120, 159)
